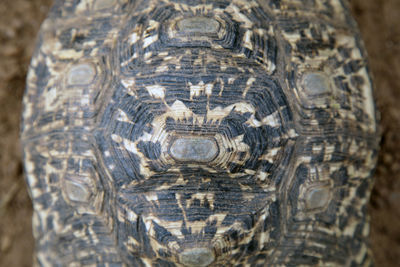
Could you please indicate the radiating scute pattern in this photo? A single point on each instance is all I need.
(160, 133)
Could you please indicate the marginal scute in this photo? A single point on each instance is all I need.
(198, 149)
(317, 197)
(198, 25)
(81, 74)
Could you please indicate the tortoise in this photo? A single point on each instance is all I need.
(200, 133)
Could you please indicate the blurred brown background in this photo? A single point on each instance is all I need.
(19, 22)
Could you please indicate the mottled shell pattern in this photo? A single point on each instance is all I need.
(199, 133)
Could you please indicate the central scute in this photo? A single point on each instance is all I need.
(198, 25)
(198, 257)
(196, 129)
(197, 149)
(194, 159)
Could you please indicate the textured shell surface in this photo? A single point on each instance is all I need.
(200, 133)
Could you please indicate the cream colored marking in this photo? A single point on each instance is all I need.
(151, 197)
(147, 224)
(222, 85)
(175, 231)
(292, 37)
(262, 176)
(243, 70)
(146, 137)
(249, 83)
(179, 201)
(153, 25)
(329, 149)
(366, 229)
(306, 159)
(173, 227)
(70, 54)
(36, 192)
(247, 40)
(162, 68)
(264, 239)
(272, 120)
(132, 241)
(316, 148)
(122, 116)
(244, 188)
(271, 154)
(156, 91)
(149, 40)
(147, 55)
(238, 16)
(209, 88)
(248, 171)
(253, 122)
(85, 100)
(128, 83)
(179, 111)
(169, 58)
(174, 246)
(368, 99)
(361, 255)
(217, 114)
(262, 32)
(116, 138)
(148, 262)
(49, 99)
(314, 122)
(29, 166)
(196, 90)
(321, 246)
(222, 230)
(31, 178)
(313, 171)
(83, 5)
(292, 133)
(130, 146)
(243, 107)
(240, 145)
(350, 228)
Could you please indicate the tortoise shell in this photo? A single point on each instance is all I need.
(199, 133)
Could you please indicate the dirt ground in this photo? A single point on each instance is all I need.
(19, 23)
